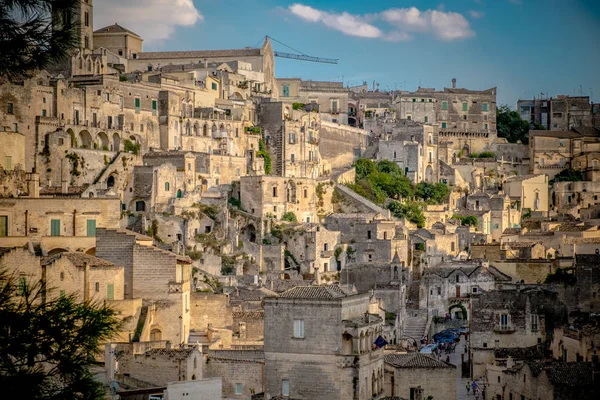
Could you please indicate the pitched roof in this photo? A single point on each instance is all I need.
(115, 28)
(528, 353)
(555, 134)
(324, 292)
(565, 373)
(78, 259)
(512, 231)
(179, 354)
(199, 54)
(518, 178)
(250, 314)
(415, 360)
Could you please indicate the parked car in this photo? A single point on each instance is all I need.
(444, 336)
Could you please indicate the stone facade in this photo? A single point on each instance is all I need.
(406, 372)
(319, 345)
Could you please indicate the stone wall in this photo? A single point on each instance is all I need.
(341, 145)
(440, 383)
(209, 308)
(241, 367)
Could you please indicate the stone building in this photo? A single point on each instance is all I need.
(465, 119)
(509, 318)
(370, 237)
(529, 191)
(291, 133)
(552, 151)
(545, 380)
(315, 247)
(572, 197)
(440, 244)
(331, 97)
(88, 277)
(320, 344)
(448, 288)
(154, 363)
(270, 195)
(158, 276)
(57, 224)
(557, 113)
(404, 373)
(12, 152)
(242, 371)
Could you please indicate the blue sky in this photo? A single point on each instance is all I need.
(523, 47)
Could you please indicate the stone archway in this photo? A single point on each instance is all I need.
(116, 142)
(57, 250)
(429, 174)
(110, 182)
(103, 141)
(85, 140)
(251, 233)
(461, 307)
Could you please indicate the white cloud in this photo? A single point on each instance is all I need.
(153, 20)
(476, 14)
(406, 21)
(346, 23)
(444, 25)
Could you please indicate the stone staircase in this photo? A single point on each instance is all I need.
(415, 324)
(141, 323)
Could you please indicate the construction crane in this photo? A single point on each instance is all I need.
(301, 56)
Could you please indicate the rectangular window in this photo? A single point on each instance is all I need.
(286, 90)
(293, 157)
(91, 227)
(3, 225)
(561, 143)
(426, 119)
(465, 106)
(153, 107)
(444, 105)
(238, 388)
(325, 246)
(534, 323)
(274, 191)
(137, 105)
(443, 125)
(110, 291)
(408, 117)
(334, 107)
(22, 285)
(87, 18)
(285, 387)
(298, 328)
(55, 227)
(10, 109)
(504, 320)
(214, 86)
(368, 234)
(8, 163)
(485, 107)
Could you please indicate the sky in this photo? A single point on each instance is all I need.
(522, 47)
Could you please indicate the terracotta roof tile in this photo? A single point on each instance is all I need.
(415, 360)
(325, 292)
(78, 259)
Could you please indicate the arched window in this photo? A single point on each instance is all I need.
(205, 130)
(155, 335)
(167, 186)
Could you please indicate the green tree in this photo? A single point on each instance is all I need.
(289, 216)
(364, 168)
(433, 193)
(47, 346)
(31, 40)
(389, 167)
(510, 125)
(568, 175)
(411, 210)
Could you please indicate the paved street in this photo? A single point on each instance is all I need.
(455, 358)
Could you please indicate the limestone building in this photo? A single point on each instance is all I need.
(406, 373)
(319, 344)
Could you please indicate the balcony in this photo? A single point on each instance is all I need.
(499, 328)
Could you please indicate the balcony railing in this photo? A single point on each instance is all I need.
(500, 328)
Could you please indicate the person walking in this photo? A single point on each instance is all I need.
(474, 387)
(468, 387)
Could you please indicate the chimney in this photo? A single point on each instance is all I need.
(33, 185)
(509, 362)
(453, 83)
